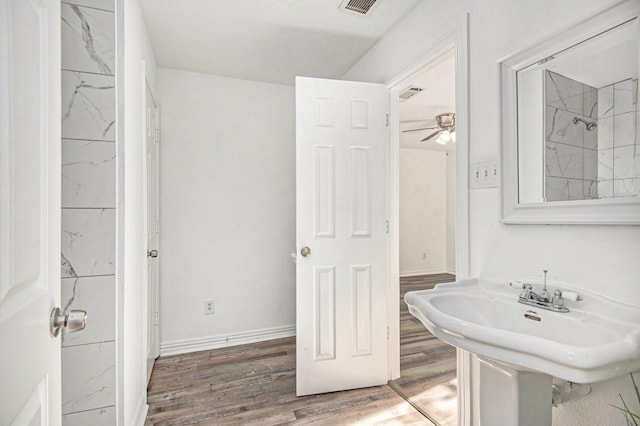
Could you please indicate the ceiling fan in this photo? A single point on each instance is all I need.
(446, 129)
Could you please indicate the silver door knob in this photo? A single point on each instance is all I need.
(152, 253)
(76, 320)
(305, 252)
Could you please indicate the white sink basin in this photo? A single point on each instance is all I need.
(598, 339)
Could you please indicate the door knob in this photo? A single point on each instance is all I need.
(152, 253)
(76, 320)
(305, 252)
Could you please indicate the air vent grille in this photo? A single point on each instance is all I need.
(409, 92)
(360, 7)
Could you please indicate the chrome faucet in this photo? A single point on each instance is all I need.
(542, 299)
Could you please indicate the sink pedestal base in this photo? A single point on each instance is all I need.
(513, 397)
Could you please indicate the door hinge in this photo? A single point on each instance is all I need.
(387, 333)
(387, 226)
(157, 135)
(158, 322)
(387, 120)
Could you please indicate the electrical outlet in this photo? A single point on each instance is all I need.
(209, 307)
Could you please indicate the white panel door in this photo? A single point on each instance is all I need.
(29, 211)
(341, 293)
(153, 231)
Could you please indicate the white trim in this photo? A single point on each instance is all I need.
(458, 39)
(142, 409)
(588, 212)
(224, 340)
(406, 274)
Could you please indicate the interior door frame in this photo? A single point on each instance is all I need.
(458, 39)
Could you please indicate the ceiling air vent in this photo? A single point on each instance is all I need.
(409, 92)
(358, 7)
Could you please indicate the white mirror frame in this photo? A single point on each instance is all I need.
(622, 211)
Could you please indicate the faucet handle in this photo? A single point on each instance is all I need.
(557, 301)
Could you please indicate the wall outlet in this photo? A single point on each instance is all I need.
(209, 307)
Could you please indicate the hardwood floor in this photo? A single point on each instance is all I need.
(427, 364)
(255, 384)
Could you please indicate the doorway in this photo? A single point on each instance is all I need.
(426, 219)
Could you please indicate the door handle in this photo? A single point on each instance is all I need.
(305, 252)
(152, 253)
(75, 320)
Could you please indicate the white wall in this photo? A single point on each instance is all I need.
(131, 245)
(600, 258)
(227, 190)
(423, 241)
(451, 212)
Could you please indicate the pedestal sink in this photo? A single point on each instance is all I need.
(521, 347)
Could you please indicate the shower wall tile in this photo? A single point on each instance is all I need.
(605, 188)
(93, 382)
(97, 296)
(624, 129)
(564, 161)
(560, 127)
(88, 242)
(564, 93)
(109, 5)
(605, 164)
(590, 102)
(88, 173)
(623, 161)
(605, 133)
(590, 137)
(88, 39)
(625, 187)
(590, 164)
(605, 101)
(623, 97)
(88, 106)
(100, 417)
(561, 189)
(590, 189)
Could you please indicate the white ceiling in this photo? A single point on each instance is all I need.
(265, 40)
(438, 97)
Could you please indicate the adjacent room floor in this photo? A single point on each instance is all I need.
(255, 384)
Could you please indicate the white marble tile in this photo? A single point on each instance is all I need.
(98, 4)
(624, 129)
(560, 189)
(605, 133)
(590, 136)
(590, 164)
(88, 106)
(635, 94)
(88, 39)
(561, 128)
(605, 164)
(623, 97)
(564, 93)
(88, 242)
(564, 161)
(590, 189)
(99, 417)
(605, 101)
(97, 296)
(623, 162)
(625, 187)
(590, 102)
(88, 173)
(605, 189)
(88, 377)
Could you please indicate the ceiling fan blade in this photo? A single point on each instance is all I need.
(421, 128)
(430, 136)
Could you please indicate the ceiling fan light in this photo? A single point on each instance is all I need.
(453, 137)
(444, 137)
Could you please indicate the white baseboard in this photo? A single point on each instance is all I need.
(423, 272)
(142, 409)
(223, 340)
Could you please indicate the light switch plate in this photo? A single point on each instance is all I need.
(485, 174)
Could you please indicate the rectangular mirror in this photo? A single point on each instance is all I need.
(571, 146)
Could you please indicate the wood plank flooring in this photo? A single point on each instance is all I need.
(427, 364)
(255, 384)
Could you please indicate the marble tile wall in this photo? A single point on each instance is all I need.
(571, 154)
(618, 148)
(88, 209)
